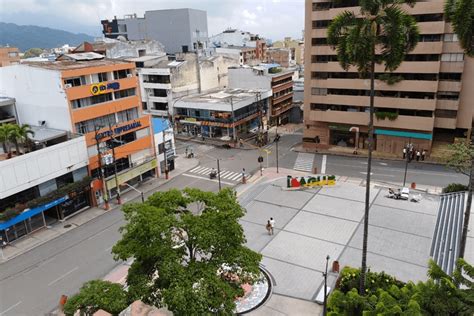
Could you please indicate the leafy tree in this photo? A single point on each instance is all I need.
(461, 14)
(19, 134)
(188, 250)
(33, 52)
(382, 33)
(95, 295)
(462, 160)
(5, 132)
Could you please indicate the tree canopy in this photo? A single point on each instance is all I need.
(461, 14)
(95, 295)
(188, 249)
(460, 157)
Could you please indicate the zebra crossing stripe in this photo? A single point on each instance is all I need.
(203, 171)
(229, 176)
(236, 177)
(225, 173)
(194, 169)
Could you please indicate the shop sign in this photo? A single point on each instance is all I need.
(132, 173)
(310, 181)
(119, 130)
(100, 88)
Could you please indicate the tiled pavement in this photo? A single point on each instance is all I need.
(314, 223)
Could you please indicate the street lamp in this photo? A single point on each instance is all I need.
(105, 191)
(325, 274)
(408, 150)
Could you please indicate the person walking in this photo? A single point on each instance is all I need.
(272, 224)
(418, 155)
(404, 152)
(269, 227)
(423, 155)
(243, 176)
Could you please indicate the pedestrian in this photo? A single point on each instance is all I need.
(418, 155)
(186, 152)
(243, 175)
(413, 154)
(404, 152)
(269, 227)
(272, 224)
(423, 155)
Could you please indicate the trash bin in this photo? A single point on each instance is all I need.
(413, 185)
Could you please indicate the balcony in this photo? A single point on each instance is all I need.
(452, 47)
(428, 48)
(447, 104)
(362, 118)
(152, 98)
(380, 102)
(436, 27)
(405, 67)
(454, 86)
(442, 122)
(405, 85)
(450, 66)
(155, 85)
(105, 108)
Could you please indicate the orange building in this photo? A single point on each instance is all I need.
(98, 98)
(9, 56)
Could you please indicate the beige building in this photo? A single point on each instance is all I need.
(296, 45)
(285, 57)
(430, 101)
(9, 56)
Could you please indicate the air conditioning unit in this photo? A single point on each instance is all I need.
(129, 75)
(68, 85)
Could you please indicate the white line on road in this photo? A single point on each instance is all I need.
(39, 265)
(63, 276)
(98, 234)
(198, 177)
(108, 249)
(380, 174)
(10, 308)
(383, 163)
(323, 164)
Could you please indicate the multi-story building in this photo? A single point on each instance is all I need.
(234, 37)
(269, 77)
(225, 113)
(285, 57)
(112, 48)
(428, 100)
(47, 182)
(296, 45)
(9, 56)
(245, 55)
(179, 30)
(93, 96)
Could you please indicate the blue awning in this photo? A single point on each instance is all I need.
(403, 134)
(30, 213)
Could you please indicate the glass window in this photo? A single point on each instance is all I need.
(124, 93)
(102, 76)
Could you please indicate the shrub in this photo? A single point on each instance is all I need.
(455, 187)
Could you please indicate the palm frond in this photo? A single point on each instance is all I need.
(461, 14)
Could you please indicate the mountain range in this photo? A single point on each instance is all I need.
(29, 36)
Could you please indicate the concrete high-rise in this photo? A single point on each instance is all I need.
(179, 30)
(426, 100)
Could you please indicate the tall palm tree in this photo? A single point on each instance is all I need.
(461, 14)
(381, 33)
(24, 131)
(5, 134)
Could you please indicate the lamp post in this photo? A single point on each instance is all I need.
(105, 192)
(408, 153)
(112, 138)
(325, 287)
(219, 173)
(277, 139)
(234, 133)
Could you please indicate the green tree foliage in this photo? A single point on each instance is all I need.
(440, 295)
(33, 52)
(460, 157)
(95, 295)
(14, 134)
(381, 33)
(455, 187)
(461, 14)
(189, 251)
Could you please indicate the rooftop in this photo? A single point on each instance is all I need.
(72, 64)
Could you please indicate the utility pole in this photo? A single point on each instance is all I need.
(219, 174)
(119, 200)
(277, 139)
(408, 153)
(325, 287)
(234, 133)
(105, 193)
(198, 69)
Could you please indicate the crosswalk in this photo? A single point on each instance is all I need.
(304, 162)
(226, 175)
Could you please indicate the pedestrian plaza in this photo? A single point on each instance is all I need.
(313, 223)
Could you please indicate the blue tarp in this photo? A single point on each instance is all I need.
(30, 213)
(160, 124)
(403, 134)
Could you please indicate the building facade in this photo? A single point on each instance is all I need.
(179, 30)
(8, 113)
(9, 56)
(297, 45)
(269, 77)
(428, 101)
(234, 37)
(285, 57)
(112, 48)
(226, 114)
(97, 98)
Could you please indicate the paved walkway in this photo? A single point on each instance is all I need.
(45, 234)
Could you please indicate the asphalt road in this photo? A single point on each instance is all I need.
(32, 283)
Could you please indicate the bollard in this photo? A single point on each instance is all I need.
(62, 301)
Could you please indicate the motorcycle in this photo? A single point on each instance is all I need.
(213, 175)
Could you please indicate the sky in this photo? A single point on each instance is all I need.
(273, 19)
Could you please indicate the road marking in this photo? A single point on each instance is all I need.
(198, 177)
(194, 169)
(63, 276)
(98, 234)
(379, 174)
(383, 163)
(39, 265)
(10, 308)
(323, 164)
(225, 174)
(108, 249)
(236, 177)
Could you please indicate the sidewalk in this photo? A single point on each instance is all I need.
(44, 235)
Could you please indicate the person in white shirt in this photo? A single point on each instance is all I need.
(272, 224)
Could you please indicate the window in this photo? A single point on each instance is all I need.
(13, 54)
(453, 57)
(318, 107)
(428, 17)
(422, 57)
(75, 82)
(319, 75)
(446, 113)
(159, 93)
(430, 38)
(448, 76)
(120, 74)
(157, 79)
(319, 91)
(124, 93)
(320, 24)
(319, 41)
(127, 115)
(90, 125)
(102, 76)
(144, 106)
(451, 37)
(160, 106)
(322, 6)
(447, 95)
(141, 52)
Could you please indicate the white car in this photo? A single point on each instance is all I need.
(405, 194)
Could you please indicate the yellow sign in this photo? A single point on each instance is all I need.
(98, 88)
(132, 173)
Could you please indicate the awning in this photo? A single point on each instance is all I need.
(403, 134)
(30, 213)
